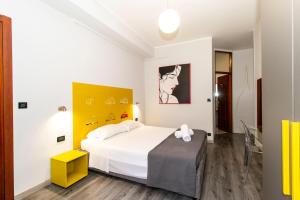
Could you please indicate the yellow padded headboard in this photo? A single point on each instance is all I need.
(95, 106)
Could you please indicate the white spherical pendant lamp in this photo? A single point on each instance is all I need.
(169, 21)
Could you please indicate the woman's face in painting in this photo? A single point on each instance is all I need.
(169, 81)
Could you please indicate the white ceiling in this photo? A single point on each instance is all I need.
(230, 22)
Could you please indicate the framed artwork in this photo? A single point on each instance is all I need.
(175, 84)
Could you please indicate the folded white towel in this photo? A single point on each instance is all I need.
(185, 133)
(184, 128)
(186, 137)
(178, 134)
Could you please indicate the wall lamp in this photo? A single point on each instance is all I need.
(62, 108)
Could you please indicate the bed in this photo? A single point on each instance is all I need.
(152, 156)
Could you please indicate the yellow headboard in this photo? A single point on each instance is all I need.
(95, 106)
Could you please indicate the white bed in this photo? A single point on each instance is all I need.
(125, 153)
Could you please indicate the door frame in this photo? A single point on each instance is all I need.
(6, 114)
(230, 115)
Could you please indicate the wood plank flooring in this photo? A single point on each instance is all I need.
(223, 180)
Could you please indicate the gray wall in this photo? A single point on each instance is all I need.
(297, 58)
(280, 93)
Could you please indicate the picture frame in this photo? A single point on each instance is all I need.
(175, 84)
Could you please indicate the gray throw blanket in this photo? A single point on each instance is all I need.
(172, 165)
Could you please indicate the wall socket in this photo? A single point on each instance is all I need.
(61, 138)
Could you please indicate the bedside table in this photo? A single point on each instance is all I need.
(69, 167)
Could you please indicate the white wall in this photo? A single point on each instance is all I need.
(49, 52)
(257, 57)
(257, 50)
(257, 43)
(243, 89)
(198, 114)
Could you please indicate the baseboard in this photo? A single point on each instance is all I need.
(32, 190)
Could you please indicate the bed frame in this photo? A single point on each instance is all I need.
(95, 106)
(199, 178)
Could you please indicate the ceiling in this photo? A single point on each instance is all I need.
(229, 22)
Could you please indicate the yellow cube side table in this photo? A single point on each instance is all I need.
(69, 167)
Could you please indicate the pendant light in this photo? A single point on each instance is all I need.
(168, 21)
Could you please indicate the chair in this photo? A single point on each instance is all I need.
(250, 148)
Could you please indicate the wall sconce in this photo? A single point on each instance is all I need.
(62, 108)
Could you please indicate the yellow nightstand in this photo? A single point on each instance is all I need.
(69, 167)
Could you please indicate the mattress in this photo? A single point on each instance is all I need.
(126, 153)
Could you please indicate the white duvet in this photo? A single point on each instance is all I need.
(126, 153)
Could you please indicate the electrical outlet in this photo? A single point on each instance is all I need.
(61, 138)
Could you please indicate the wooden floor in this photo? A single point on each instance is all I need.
(223, 180)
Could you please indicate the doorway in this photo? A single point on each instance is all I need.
(6, 111)
(223, 94)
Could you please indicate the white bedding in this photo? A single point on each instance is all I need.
(126, 153)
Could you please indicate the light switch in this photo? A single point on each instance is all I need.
(22, 105)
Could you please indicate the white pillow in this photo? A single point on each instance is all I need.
(107, 131)
(130, 124)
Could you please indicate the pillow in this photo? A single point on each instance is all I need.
(107, 131)
(130, 124)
